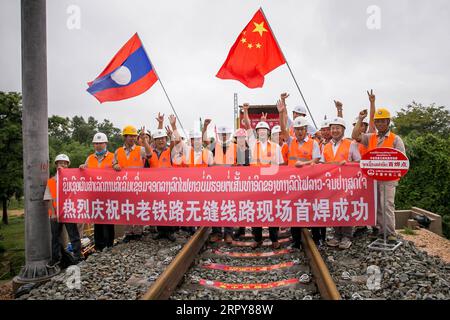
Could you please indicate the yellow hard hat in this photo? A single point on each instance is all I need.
(129, 131)
(382, 113)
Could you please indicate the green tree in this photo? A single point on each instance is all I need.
(76, 151)
(426, 133)
(418, 119)
(59, 128)
(11, 159)
(83, 131)
(74, 138)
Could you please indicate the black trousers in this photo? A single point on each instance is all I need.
(273, 233)
(166, 229)
(218, 230)
(296, 236)
(57, 245)
(319, 233)
(103, 236)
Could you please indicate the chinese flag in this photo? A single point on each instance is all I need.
(254, 54)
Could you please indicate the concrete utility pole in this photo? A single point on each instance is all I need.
(35, 143)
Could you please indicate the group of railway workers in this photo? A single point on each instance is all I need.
(294, 142)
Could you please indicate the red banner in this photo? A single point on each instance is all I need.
(319, 195)
(272, 119)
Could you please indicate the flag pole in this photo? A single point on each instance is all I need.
(170, 102)
(287, 64)
(165, 92)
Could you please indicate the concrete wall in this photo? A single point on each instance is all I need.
(402, 216)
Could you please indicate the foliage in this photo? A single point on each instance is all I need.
(408, 231)
(74, 138)
(427, 184)
(11, 173)
(417, 119)
(12, 240)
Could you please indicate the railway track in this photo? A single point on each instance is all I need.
(220, 271)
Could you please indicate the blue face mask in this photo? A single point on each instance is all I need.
(100, 153)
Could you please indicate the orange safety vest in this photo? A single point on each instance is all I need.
(341, 153)
(164, 160)
(387, 143)
(322, 145)
(303, 153)
(362, 149)
(134, 159)
(229, 158)
(285, 152)
(191, 163)
(107, 161)
(262, 159)
(51, 183)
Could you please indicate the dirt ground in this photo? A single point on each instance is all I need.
(6, 290)
(430, 242)
(15, 212)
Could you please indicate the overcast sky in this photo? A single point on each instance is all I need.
(331, 50)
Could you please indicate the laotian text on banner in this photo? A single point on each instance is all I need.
(320, 195)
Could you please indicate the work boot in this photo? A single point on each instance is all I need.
(127, 238)
(171, 237)
(375, 233)
(333, 242)
(257, 244)
(391, 238)
(228, 238)
(238, 234)
(345, 243)
(215, 237)
(295, 245)
(158, 236)
(276, 245)
(360, 231)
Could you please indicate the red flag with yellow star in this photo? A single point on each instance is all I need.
(254, 54)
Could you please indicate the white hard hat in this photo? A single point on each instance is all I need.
(300, 122)
(338, 120)
(311, 130)
(276, 129)
(160, 133)
(224, 130)
(100, 138)
(324, 124)
(262, 125)
(62, 157)
(194, 134)
(363, 121)
(300, 109)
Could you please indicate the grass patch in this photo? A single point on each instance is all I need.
(12, 242)
(408, 231)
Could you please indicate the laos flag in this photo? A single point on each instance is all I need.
(127, 75)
